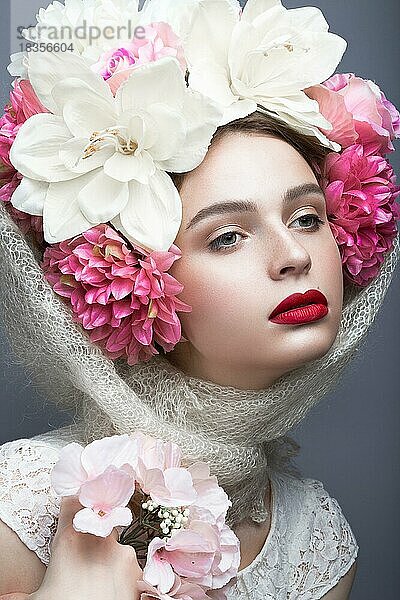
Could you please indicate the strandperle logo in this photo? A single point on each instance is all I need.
(44, 37)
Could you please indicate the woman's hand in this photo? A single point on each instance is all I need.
(86, 567)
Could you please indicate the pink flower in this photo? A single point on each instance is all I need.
(226, 559)
(159, 473)
(360, 195)
(105, 499)
(77, 465)
(158, 41)
(122, 295)
(359, 112)
(157, 454)
(189, 553)
(181, 590)
(102, 476)
(212, 502)
(23, 104)
(202, 554)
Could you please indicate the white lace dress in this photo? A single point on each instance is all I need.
(310, 545)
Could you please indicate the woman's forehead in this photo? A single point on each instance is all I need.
(243, 167)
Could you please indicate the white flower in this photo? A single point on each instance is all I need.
(55, 23)
(98, 158)
(267, 56)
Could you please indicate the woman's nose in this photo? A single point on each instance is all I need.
(287, 256)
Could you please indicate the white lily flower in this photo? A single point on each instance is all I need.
(69, 23)
(265, 56)
(98, 158)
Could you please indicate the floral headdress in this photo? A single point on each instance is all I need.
(92, 131)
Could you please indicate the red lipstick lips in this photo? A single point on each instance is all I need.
(300, 308)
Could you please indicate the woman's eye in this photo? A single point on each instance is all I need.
(218, 245)
(310, 222)
(313, 221)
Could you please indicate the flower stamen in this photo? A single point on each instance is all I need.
(110, 136)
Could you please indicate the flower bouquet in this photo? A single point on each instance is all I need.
(172, 515)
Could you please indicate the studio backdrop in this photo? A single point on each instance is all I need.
(350, 440)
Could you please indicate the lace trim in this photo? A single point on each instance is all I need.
(28, 504)
(308, 549)
(310, 545)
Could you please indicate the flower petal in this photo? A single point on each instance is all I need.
(84, 116)
(238, 110)
(35, 151)
(170, 128)
(212, 80)
(68, 475)
(87, 521)
(72, 155)
(202, 116)
(214, 22)
(254, 8)
(159, 81)
(62, 217)
(46, 69)
(29, 196)
(112, 488)
(158, 571)
(153, 214)
(179, 484)
(102, 198)
(113, 450)
(124, 167)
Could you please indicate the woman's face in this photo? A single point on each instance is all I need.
(236, 267)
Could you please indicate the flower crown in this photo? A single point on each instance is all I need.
(92, 130)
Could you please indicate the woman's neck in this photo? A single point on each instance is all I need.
(253, 535)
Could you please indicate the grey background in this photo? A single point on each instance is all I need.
(350, 441)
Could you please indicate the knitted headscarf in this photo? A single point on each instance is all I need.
(262, 56)
(240, 433)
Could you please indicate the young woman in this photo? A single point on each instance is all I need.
(273, 320)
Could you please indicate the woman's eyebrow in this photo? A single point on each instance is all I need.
(242, 206)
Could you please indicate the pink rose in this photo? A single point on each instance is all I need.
(159, 40)
(359, 112)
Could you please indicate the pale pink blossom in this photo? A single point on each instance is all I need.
(158, 41)
(105, 498)
(101, 475)
(156, 453)
(172, 487)
(122, 295)
(202, 553)
(212, 502)
(199, 554)
(359, 112)
(77, 464)
(181, 590)
(188, 552)
(360, 191)
(159, 473)
(226, 556)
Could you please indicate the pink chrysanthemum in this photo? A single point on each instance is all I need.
(23, 104)
(122, 295)
(360, 194)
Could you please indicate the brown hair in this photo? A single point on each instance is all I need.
(260, 123)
